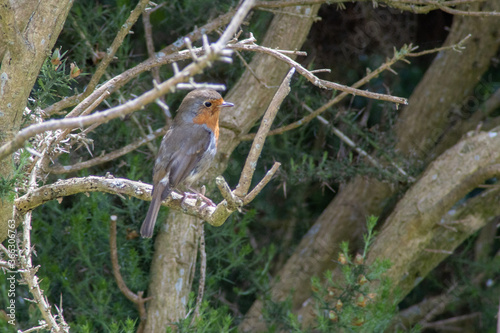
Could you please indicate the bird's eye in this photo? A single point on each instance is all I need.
(208, 104)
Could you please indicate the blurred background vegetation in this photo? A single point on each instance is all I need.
(71, 237)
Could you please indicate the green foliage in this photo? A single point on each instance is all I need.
(211, 320)
(17, 177)
(76, 251)
(362, 301)
(54, 82)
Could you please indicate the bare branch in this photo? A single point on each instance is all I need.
(372, 160)
(317, 81)
(462, 12)
(137, 299)
(36, 328)
(203, 272)
(117, 42)
(267, 178)
(28, 272)
(60, 169)
(164, 56)
(120, 110)
(400, 55)
(108, 184)
(457, 47)
(155, 71)
(233, 27)
(445, 323)
(414, 6)
(257, 145)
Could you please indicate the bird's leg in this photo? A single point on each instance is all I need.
(199, 194)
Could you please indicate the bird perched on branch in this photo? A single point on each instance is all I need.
(187, 149)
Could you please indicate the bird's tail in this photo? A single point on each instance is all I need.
(149, 222)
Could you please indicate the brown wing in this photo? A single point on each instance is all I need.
(180, 151)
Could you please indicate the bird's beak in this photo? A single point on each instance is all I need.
(226, 104)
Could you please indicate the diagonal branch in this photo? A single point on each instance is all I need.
(407, 51)
(194, 68)
(60, 169)
(260, 138)
(317, 81)
(162, 57)
(117, 42)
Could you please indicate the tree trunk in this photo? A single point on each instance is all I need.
(450, 79)
(30, 30)
(251, 99)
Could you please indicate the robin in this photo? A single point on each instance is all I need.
(187, 149)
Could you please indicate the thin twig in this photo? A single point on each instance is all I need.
(443, 323)
(28, 272)
(358, 149)
(256, 190)
(457, 47)
(137, 299)
(155, 71)
(117, 111)
(152, 148)
(203, 272)
(117, 42)
(233, 26)
(35, 329)
(324, 84)
(164, 56)
(60, 169)
(463, 12)
(260, 138)
(398, 56)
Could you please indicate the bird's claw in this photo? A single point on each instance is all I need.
(199, 197)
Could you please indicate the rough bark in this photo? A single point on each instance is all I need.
(29, 31)
(344, 218)
(448, 84)
(251, 99)
(424, 229)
